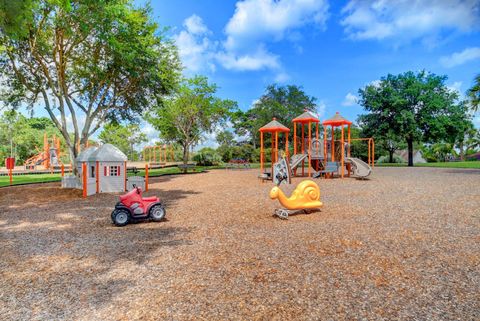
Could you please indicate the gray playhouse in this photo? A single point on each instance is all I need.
(106, 169)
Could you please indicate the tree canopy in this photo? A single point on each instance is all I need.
(474, 94)
(25, 134)
(191, 112)
(412, 107)
(84, 61)
(282, 102)
(124, 137)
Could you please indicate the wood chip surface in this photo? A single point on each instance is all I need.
(404, 245)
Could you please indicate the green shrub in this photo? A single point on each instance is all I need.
(207, 157)
(386, 159)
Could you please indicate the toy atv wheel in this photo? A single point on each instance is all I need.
(283, 214)
(157, 212)
(120, 217)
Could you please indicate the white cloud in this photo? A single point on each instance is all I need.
(460, 58)
(194, 46)
(456, 86)
(282, 77)
(254, 24)
(256, 20)
(258, 60)
(404, 20)
(350, 100)
(194, 25)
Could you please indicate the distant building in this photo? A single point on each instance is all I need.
(417, 156)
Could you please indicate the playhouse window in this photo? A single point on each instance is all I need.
(92, 171)
(111, 170)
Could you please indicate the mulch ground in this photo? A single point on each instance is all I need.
(403, 245)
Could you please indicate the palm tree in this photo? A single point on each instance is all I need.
(474, 94)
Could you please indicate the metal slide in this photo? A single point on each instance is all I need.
(296, 160)
(360, 168)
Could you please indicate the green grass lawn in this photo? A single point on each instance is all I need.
(29, 179)
(44, 178)
(470, 164)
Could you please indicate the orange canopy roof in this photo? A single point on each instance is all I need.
(336, 120)
(274, 126)
(306, 117)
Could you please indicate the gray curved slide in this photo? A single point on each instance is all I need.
(360, 168)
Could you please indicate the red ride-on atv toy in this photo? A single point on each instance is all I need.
(133, 207)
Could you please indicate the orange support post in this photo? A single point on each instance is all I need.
(84, 180)
(369, 151)
(309, 148)
(276, 146)
(146, 177)
(63, 170)
(303, 148)
(261, 152)
(294, 138)
(325, 152)
(373, 153)
(343, 151)
(10, 174)
(349, 141)
(333, 144)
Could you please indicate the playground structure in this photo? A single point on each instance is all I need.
(49, 158)
(158, 154)
(326, 155)
(308, 120)
(274, 128)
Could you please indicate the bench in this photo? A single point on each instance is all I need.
(330, 169)
(186, 167)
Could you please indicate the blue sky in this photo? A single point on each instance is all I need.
(330, 48)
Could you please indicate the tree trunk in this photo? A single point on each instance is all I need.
(390, 155)
(410, 151)
(461, 147)
(185, 156)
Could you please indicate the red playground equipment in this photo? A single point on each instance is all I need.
(274, 128)
(133, 207)
(158, 154)
(49, 158)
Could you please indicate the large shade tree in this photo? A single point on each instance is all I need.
(125, 137)
(413, 107)
(283, 102)
(474, 94)
(83, 61)
(190, 113)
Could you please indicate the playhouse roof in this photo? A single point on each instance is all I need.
(107, 153)
(306, 117)
(85, 154)
(337, 120)
(274, 126)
